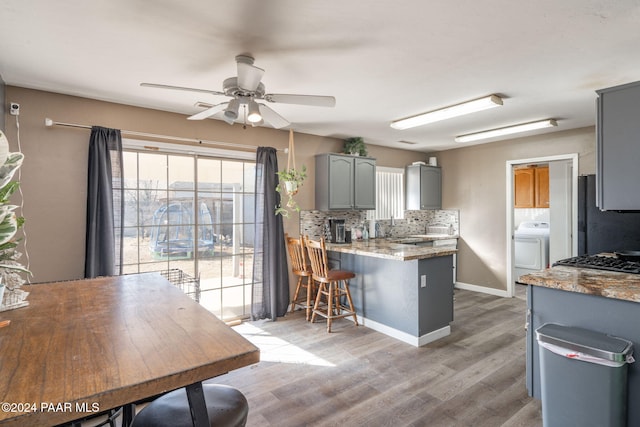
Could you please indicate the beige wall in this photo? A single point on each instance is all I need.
(54, 172)
(474, 181)
(54, 176)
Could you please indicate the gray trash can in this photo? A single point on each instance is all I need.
(583, 376)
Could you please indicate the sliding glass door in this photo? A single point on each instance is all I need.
(195, 214)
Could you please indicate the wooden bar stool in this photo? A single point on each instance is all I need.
(299, 267)
(333, 284)
(226, 407)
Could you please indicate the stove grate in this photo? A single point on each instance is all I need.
(601, 263)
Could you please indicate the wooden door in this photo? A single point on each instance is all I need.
(524, 184)
(541, 187)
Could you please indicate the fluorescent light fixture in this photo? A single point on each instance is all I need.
(507, 130)
(448, 112)
(254, 112)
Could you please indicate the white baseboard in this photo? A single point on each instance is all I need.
(403, 336)
(482, 289)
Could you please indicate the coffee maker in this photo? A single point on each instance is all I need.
(337, 230)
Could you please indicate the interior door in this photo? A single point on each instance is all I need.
(561, 212)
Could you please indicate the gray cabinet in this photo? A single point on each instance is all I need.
(611, 316)
(345, 182)
(618, 148)
(423, 187)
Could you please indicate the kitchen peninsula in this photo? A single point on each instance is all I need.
(599, 300)
(403, 290)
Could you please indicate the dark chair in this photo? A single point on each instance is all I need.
(226, 407)
(106, 418)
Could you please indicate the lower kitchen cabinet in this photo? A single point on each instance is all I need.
(611, 316)
(409, 300)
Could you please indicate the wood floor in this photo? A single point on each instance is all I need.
(358, 377)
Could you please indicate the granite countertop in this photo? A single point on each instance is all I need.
(608, 284)
(390, 249)
(415, 238)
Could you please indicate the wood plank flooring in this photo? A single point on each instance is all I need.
(358, 377)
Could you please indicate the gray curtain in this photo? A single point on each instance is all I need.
(103, 254)
(270, 297)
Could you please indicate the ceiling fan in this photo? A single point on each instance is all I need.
(245, 89)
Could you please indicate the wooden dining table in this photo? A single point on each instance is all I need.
(85, 346)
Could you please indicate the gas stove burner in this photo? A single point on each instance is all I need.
(601, 263)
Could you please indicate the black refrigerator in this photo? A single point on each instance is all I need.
(604, 231)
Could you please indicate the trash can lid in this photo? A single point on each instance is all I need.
(585, 341)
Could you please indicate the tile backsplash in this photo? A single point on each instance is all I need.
(414, 222)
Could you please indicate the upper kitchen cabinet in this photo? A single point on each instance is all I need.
(423, 187)
(531, 185)
(618, 147)
(345, 182)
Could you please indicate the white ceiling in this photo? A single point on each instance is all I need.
(382, 60)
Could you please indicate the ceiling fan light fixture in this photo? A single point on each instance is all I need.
(524, 127)
(461, 109)
(254, 112)
(231, 112)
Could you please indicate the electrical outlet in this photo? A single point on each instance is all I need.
(423, 281)
(14, 109)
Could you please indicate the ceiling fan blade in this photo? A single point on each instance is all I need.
(208, 112)
(249, 76)
(276, 120)
(313, 100)
(190, 89)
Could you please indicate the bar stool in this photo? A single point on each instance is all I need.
(226, 407)
(334, 284)
(299, 267)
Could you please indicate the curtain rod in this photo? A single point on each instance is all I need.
(49, 123)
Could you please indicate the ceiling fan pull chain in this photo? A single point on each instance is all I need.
(291, 160)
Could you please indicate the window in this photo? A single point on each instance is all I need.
(195, 213)
(389, 194)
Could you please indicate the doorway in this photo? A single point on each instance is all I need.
(561, 213)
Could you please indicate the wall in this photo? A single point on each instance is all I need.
(54, 176)
(474, 182)
(3, 104)
(54, 172)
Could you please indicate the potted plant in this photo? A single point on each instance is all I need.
(290, 181)
(355, 146)
(10, 223)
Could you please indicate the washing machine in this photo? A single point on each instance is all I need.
(531, 247)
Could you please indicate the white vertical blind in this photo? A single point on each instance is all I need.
(389, 194)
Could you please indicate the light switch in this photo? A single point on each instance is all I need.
(423, 281)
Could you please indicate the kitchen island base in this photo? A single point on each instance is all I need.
(403, 336)
(409, 300)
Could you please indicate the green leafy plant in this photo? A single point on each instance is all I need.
(355, 146)
(10, 223)
(289, 182)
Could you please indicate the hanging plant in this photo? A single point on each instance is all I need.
(289, 181)
(355, 146)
